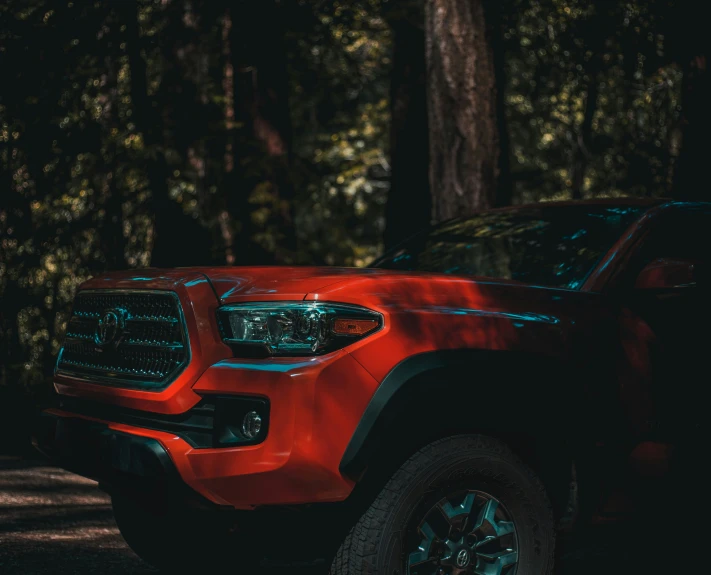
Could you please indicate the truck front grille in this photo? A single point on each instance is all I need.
(128, 338)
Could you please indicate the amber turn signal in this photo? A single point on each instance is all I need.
(343, 326)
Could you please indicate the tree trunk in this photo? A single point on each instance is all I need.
(225, 217)
(149, 122)
(686, 44)
(409, 205)
(582, 150)
(691, 174)
(495, 19)
(15, 224)
(261, 95)
(178, 240)
(461, 89)
(594, 34)
(113, 242)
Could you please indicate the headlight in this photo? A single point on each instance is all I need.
(295, 328)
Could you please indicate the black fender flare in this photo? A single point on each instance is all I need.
(385, 403)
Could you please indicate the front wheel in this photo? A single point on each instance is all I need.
(463, 505)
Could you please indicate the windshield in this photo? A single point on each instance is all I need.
(556, 246)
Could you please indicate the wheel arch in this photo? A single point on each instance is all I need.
(437, 394)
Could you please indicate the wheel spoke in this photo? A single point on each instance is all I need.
(504, 528)
(487, 539)
(464, 508)
(488, 515)
(494, 563)
(422, 555)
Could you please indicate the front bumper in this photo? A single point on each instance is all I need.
(119, 461)
(92, 449)
(315, 405)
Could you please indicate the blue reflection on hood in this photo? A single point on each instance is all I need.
(518, 316)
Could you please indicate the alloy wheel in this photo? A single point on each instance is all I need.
(467, 533)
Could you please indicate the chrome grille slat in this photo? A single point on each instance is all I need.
(153, 344)
(149, 351)
(127, 342)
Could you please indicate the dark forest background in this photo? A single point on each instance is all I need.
(182, 132)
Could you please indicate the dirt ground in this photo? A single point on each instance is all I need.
(52, 521)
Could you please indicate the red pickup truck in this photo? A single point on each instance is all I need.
(426, 415)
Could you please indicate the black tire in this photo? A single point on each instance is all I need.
(381, 540)
(178, 540)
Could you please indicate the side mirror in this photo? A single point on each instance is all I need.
(664, 273)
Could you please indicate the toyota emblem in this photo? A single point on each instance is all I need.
(109, 328)
(463, 558)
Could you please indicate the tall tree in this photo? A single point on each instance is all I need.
(261, 95)
(496, 13)
(148, 120)
(689, 45)
(113, 242)
(592, 35)
(179, 240)
(409, 204)
(463, 127)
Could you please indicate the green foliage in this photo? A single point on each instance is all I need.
(556, 50)
(340, 60)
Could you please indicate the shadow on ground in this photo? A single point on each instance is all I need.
(52, 521)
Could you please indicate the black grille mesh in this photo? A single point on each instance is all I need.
(149, 350)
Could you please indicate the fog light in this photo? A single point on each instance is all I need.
(252, 425)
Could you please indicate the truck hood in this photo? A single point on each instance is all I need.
(289, 283)
(232, 284)
(355, 285)
(272, 283)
